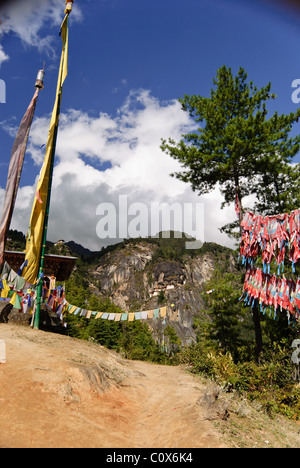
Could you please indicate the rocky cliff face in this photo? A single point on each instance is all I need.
(140, 275)
(135, 277)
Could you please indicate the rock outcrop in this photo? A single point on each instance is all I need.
(136, 278)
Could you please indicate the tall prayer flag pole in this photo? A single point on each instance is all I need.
(37, 232)
(16, 165)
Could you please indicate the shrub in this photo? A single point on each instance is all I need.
(270, 383)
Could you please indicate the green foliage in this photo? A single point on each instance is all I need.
(225, 350)
(237, 147)
(137, 343)
(132, 339)
(16, 241)
(226, 327)
(172, 336)
(161, 297)
(269, 383)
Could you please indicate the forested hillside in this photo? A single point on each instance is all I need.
(207, 327)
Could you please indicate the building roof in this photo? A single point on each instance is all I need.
(59, 266)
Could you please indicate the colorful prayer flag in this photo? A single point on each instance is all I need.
(14, 172)
(72, 310)
(40, 210)
(156, 313)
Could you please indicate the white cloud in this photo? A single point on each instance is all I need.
(3, 56)
(26, 19)
(98, 159)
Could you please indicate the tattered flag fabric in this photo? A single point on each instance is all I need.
(41, 206)
(156, 313)
(14, 172)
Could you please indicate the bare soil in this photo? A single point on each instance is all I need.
(56, 391)
(59, 392)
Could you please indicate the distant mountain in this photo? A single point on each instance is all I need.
(83, 252)
(144, 274)
(16, 241)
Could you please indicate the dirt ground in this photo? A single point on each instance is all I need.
(56, 391)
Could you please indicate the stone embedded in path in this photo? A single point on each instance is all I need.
(2, 352)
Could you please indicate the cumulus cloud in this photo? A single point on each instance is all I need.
(102, 161)
(26, 19)
(3, 56)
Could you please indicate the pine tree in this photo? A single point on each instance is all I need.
(239, 149)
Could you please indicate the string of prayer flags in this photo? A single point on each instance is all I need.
(274, 237)
(22, 296)
(117, 317)
(15, 290)
(272, 292)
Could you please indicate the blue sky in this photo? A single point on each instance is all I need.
(129, 62)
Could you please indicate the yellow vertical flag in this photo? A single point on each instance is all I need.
(41, 202)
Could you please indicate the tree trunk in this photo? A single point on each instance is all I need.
(238, 197)
(255, 310)
(258, 334)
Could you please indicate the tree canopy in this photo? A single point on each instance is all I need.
(237, 147)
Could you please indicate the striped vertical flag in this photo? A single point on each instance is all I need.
(40, 209)
(14, 172)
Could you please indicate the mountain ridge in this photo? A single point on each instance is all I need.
(144, 274)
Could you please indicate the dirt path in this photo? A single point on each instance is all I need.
(56, 391)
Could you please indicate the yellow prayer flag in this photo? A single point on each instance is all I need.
(150, 313)
(131, 317)
(99, 315)
(13, 299)
(72, 310)
(89, 313)
(163, 311)
(5, 290)
(118, 317)
(41, 202)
